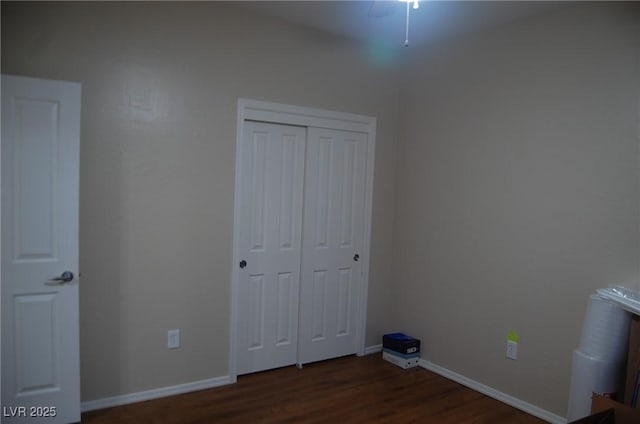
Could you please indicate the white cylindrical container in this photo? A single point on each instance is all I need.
(592, 375)
(605, 331)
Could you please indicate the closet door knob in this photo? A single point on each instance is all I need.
(243, 263)
(356, 257)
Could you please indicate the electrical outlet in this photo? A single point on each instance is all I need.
(173, 339)
(512, 349)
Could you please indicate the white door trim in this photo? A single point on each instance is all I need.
(277, 113)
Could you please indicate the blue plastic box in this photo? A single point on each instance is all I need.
(401, 343)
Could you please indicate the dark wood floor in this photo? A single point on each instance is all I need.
(344, 390)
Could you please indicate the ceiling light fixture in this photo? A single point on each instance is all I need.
(406, 29)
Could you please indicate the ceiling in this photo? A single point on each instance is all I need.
(384, 21)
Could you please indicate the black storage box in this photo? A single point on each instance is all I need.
(401, 343)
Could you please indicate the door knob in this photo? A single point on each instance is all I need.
(65, 277)
(243, 263)
(356, 257)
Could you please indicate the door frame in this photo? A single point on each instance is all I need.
(284, 114)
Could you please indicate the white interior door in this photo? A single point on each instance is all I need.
(270, 213)
(40, 165)
(332, 242)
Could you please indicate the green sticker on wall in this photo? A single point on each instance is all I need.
(513, 337)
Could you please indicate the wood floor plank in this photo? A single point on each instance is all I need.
(343, 390)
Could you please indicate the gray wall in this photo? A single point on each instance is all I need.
(160, 85)
(518, 193)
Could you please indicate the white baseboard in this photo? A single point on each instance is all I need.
(491, 392)
(372, 349)
(155, 393)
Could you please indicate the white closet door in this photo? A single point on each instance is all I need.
(332, 238)
(271, 186)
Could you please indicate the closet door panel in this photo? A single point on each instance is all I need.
(333, 228)
(271, 198)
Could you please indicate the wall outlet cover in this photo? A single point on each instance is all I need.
(512, 350)
(173, 339)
